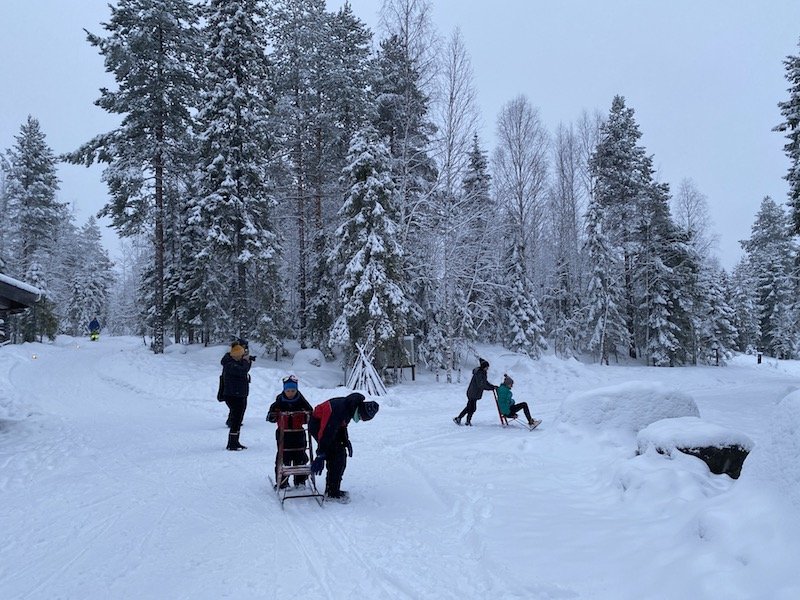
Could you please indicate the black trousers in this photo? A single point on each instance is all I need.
(469, 409)
(336, 462)
(520, 406)
(237, 406)
(294, 453)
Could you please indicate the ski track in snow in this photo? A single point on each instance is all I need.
(121, 479)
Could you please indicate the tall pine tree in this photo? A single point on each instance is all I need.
(151, 49)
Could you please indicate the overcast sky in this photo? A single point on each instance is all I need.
(704, 78)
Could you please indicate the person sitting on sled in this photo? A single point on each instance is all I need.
(294, 442)
(509, 408)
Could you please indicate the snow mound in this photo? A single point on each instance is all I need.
(310, 357)
(175, 349)
(773, 462)
(629, 407)
(689, 432)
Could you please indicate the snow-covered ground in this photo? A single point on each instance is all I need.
(114, 483)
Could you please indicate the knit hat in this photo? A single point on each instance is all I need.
(237, 351)
(484, 364)
(507, 381)
(289, 383)
(367, 410)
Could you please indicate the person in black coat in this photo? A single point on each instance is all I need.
(477, 385)
(235, 388)
(294, 442)
(328, 425)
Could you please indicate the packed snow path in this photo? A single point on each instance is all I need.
(114, 483)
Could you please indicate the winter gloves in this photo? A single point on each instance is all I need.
(318, 464)
(349, 449)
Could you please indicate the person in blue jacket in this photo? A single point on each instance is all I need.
(328, 425)
(509, 408)
(94, 329)
(477, 385)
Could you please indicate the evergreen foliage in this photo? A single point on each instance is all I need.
(235, 285)
(151, 49)
(35, 216)
(790, 109)
(375, 310)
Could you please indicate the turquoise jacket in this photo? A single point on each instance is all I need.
(505, 399)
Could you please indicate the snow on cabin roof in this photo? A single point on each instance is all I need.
(16, 295)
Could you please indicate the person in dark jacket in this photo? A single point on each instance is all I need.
(94, 329)
(328, 425)
(294, 442)
(235, 388)
(477, 385)
(507, 406)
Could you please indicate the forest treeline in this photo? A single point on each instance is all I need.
(280, 171)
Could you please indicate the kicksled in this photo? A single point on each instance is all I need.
(513, 420)
(295, 422)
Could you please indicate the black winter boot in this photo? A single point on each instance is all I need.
(233, 442)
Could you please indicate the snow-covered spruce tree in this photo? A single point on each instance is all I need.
(91, 278)
(298, 31)
(321, 70)
(771, 254)
(375, 310)
(234, 203)
(605, 325)
(401, 116)
(151, 49)
(5, 224)
(562, 312)
(743, 298)
(523, 321)
(790, 109)
(344, 77)
(484, 250)
(35, 216)
(716, 329)
(655, 280)
(622, 173)
(125, 316)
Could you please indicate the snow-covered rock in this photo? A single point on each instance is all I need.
(628, 407)
(309, 357)
(723, 450)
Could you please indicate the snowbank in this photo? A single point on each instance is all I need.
(773, 463)
(689, 432)
(628, 407)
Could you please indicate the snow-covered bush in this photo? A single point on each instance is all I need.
(628, 407)
(310, 357)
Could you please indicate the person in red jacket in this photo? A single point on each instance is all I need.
(328, 425)
(290, 400)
